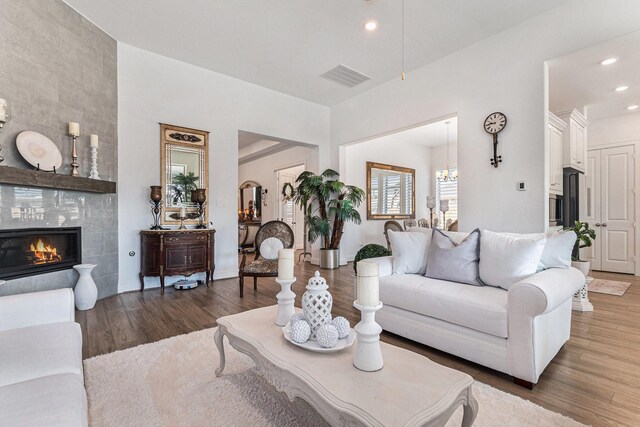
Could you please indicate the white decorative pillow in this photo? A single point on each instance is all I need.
(557, 250)
(505, 260)
(410, 250)
(269, 248)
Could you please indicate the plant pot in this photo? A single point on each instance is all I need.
(329, 258)
(583, 266)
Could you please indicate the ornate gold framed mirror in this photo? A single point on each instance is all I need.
(183, 168)
(391, 192)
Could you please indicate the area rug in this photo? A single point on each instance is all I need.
(172, 383)
(611, 287)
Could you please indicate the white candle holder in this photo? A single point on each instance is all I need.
(94, 163)
(286, 298)
(368, 356)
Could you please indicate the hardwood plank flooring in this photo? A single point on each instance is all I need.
(594, 379)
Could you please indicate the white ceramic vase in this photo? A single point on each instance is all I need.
(583, 266)
(317, 303)
(85, 292)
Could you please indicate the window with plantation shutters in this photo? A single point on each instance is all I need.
(390, 191)
(447, 190)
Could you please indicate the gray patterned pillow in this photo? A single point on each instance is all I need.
(455, 263)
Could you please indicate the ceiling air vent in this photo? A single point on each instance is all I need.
(345, 76)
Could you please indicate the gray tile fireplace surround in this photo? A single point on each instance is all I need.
(95, 213)
(58, 67)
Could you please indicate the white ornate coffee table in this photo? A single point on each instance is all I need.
(410, 390)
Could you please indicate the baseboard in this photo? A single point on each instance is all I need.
(151, 284)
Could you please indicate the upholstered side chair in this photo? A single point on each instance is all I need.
(408, 223)
(393, 226)
(261, 267)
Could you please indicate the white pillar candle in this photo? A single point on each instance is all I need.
(368, 283)
(183, 213)
(285, 264)
(74, 129)
(94, 141)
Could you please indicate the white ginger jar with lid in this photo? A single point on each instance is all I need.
(317, 303)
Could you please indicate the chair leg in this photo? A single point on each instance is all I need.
(255, 283)
(241, 287)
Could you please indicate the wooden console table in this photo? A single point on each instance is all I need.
(176, 252)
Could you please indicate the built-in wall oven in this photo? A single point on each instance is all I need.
(555, 210)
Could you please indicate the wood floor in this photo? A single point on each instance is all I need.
(595, 379)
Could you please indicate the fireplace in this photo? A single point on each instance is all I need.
(31, 251)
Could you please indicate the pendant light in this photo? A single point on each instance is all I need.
(444, 174)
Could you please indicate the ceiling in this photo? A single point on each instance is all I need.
(429, 135)
(253, 146)
(578, 79)
(286, 45)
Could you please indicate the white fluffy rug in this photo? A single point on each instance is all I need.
(172, 383)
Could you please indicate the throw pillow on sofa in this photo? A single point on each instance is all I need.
(410, 250)
(454, 262)
(505, 259)
(557, 250)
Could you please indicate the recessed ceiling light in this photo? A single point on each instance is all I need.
(632, 107)
(371, 25)
(608, 61)
(621, 88)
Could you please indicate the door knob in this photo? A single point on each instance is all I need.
(604, 224)
(598, 224)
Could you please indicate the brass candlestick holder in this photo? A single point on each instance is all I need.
(74, 157)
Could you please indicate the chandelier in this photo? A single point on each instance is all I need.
(447, 174)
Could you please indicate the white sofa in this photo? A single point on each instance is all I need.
(517, 332)
(41, 375)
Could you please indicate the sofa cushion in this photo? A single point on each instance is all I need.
(54, 400)
(454, 262)
(505, 260)
(557, 250)
(481, 308)
(410, 250)
(38, 351)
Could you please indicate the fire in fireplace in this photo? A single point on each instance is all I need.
(34, 251)
(43, 253)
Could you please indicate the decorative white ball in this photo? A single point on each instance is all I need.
(327, 335)
(300, 331)
(296, 317)
(342, 325)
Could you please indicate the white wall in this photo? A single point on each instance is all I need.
(391, 150)
(153, 89)
(505, 73)
(613, 130)
(263, 171)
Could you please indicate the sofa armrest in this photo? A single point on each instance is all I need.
(539, 320)
(385, 265)
(543, 292)
(22, 310)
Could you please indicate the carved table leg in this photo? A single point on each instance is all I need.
(470, 410)
(220, 344)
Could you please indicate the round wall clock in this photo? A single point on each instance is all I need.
(493, 124)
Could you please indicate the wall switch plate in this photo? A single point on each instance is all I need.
(522, 186)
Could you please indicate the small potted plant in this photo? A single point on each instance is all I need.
(584, 238)
(328, 205)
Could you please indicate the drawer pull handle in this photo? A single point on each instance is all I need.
(185, 259)
(189, 259)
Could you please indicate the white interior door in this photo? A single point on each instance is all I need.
(286, 208)
(592, 204)
(611, 209)
(617, 227)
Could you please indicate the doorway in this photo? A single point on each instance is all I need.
(610, 208)
(287, 210)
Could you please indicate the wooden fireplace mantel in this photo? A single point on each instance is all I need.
(39, 179)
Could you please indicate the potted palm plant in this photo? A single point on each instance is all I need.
(183, 185)
(584, 238)
(328, 204)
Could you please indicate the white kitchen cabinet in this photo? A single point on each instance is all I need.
(574, 154)
(556, 142)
